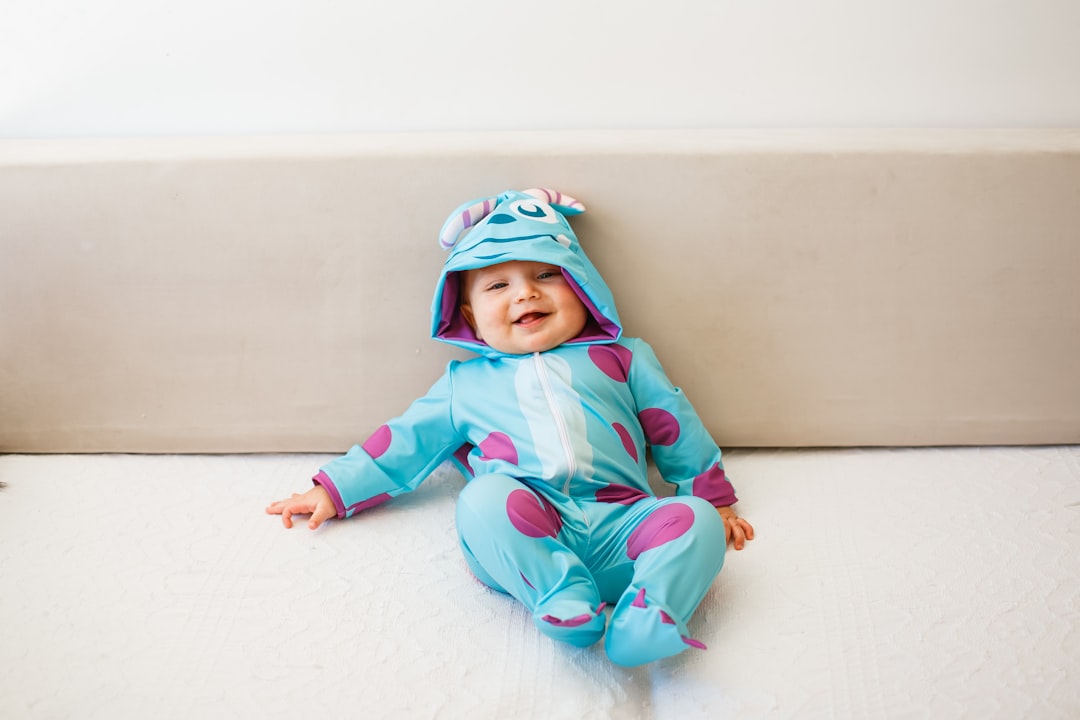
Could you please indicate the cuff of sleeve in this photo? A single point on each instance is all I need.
(713, 486)
(323, 480)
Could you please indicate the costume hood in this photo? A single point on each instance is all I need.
(529, 225)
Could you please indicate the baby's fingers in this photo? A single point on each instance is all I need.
(741, 531)
(290, 508)
(738, 537)
(275, 508)
(322, 513)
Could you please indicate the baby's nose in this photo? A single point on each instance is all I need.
(527, 290)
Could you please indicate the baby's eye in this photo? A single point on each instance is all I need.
(548, 274)
(496, 286)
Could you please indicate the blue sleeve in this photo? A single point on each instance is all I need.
(398, 456)
(684, 451)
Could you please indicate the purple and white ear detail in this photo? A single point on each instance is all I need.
(464, 218)
(563, 203)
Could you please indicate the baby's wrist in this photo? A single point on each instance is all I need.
(323, 481)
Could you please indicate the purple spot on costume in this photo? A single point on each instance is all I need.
(364, 505)
(613, 360)
(461, 455)
(627, 440)
(532, 516)
(661, 527)
(660, 426)
(379, 442)
(499, 446)
(621, 494)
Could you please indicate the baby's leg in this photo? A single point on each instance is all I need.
(677, 549)
(515, 541)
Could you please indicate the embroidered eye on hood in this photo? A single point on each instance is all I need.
(530, 225)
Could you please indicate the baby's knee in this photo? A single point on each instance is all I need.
(677, 519)
(486, 492)
(505, 504)
(709, 526)
(706, 517)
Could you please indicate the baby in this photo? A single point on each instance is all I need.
(551, 424)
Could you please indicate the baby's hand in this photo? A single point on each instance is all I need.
(737, 529)
(315, 502)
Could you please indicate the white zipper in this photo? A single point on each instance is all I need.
(560, 422)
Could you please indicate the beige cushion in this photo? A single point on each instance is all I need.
(804, 288)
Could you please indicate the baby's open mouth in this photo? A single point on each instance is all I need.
(530, 318)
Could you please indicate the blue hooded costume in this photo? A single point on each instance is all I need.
(558, 511)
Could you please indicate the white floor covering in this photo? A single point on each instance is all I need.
(886, 583)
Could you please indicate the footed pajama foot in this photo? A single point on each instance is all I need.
(641, 633)
(565, 622)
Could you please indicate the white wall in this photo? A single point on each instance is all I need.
(121, 67)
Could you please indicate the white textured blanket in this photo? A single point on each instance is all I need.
(882, 584)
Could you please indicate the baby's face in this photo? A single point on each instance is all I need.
(520, 307)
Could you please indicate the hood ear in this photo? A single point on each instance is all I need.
(563, 203)
(472, 212)
(464, 218)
